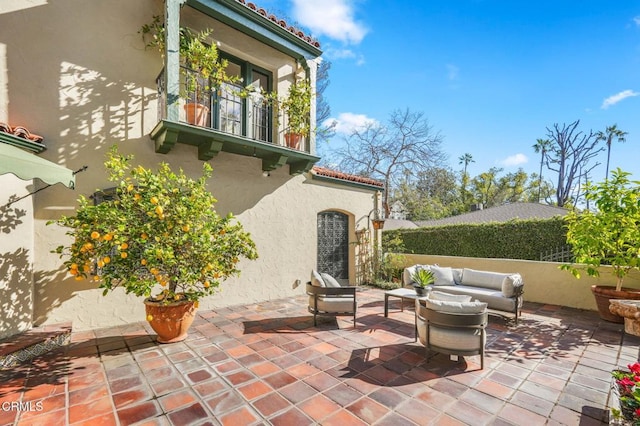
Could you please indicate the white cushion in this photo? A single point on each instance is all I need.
(329, 281)
(407, 275)
(333, 304)
(484, 279)
(509, 284)
(456, 307)
(457, 275)
(440, 295)
(443, 276)
(316, 279)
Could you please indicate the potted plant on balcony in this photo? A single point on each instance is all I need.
(160, 237)
(609, 236)
(203, 71)
(297, 108)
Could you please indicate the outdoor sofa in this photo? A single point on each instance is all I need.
(501, 291)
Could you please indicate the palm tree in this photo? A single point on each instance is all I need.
(542, 146)
(608, 135)
(465, 159)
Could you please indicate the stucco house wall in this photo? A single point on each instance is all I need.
(78, 74)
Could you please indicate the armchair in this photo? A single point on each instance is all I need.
(333, 301)
(456, 328)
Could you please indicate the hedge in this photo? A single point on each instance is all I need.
(518, 239)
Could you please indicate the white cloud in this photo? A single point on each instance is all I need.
(452, 72)
(614, 99)
(347, 122)
(636, 19)
(515, 160)
(331, 18)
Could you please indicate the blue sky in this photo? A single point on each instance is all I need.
(490, 75)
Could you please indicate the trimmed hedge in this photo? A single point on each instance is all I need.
(518, 239)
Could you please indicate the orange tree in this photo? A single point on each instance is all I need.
(160, 232)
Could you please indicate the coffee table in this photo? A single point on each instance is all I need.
(403, 294)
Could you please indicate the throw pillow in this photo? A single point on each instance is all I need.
(485, 279)
(510, 283)
(443, 276)
(440, 295)
(475, 307)
(457, 275)
(316, 279)
(329, 281)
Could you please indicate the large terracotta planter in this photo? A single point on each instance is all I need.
(293, 140)
(603, 294)
(170, 322)
(197, 114)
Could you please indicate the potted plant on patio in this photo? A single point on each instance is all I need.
(203, 71)
(608, 236)
(422, 279)
(159, 237)
(297, 108)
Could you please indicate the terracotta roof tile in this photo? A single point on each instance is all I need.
(21, 132)
(323, 171)
(271, 17)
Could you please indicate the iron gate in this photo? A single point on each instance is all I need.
(333, 244)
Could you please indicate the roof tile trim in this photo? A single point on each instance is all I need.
(21, 132)
(323, 171)
(295, 31)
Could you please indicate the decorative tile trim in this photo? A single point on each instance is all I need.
(23, 355)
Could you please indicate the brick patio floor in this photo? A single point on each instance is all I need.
(265, 363)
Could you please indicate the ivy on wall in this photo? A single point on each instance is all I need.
(518, 239)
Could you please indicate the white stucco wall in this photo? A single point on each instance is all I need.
(89, 85)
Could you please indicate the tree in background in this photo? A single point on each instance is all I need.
(465, 159)
(541, 146)
(401, 149)
(611, 133)
(432, 194)
(570, 156)
(325, 130)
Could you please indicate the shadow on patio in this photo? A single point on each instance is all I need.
(266, 364)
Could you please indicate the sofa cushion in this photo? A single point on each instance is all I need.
(333, 304)
(439, 295)
(510, 283)
(457, 275)
(485, 279)
(316, 279)
(442, 275)
(494, 298)
(475, 307)
(329, 281)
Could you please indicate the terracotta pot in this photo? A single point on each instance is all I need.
(293, 140)
(197, 114)
(603, 294)
(170, 322)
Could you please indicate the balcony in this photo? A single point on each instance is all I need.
(225, 120)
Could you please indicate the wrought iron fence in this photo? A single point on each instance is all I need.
(557, 254)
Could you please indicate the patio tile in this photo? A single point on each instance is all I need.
(515, 414)
(290, 417)
(271, 404)
(321, 381)
(189, 415)
(469, 414)
(177, 399)
(241, 416)
(210, 388)
(137, 413)
(341, 394)
(53, 418)
(253, 390)
(279, 379)
(297, 392)
(131, 396)
(368, 409)
(417, 411)
(342, 417)
(318, 407)
(225, 402)
(80, 412)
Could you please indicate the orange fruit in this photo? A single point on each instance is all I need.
(124, 255)
(143, 261)
(154, 200)
(106, 260)
(124, 246)
(108, 237)
(95, 235)
(149, 317)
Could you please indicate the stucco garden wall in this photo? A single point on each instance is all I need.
(544, 282)
(78, 74)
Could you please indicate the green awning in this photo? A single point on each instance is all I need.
(29, 166)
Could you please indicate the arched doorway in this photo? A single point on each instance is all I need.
(333, 244)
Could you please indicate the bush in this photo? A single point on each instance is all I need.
(518, 239)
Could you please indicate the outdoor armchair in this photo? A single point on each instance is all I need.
(335, 300)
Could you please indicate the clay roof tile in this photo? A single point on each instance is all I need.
(21, 132)
(323, 171)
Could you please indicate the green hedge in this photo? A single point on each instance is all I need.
(519, 239)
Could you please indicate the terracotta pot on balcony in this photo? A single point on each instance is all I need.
(170, 322)
(293, 140)
(603, 294)
(197, 114)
